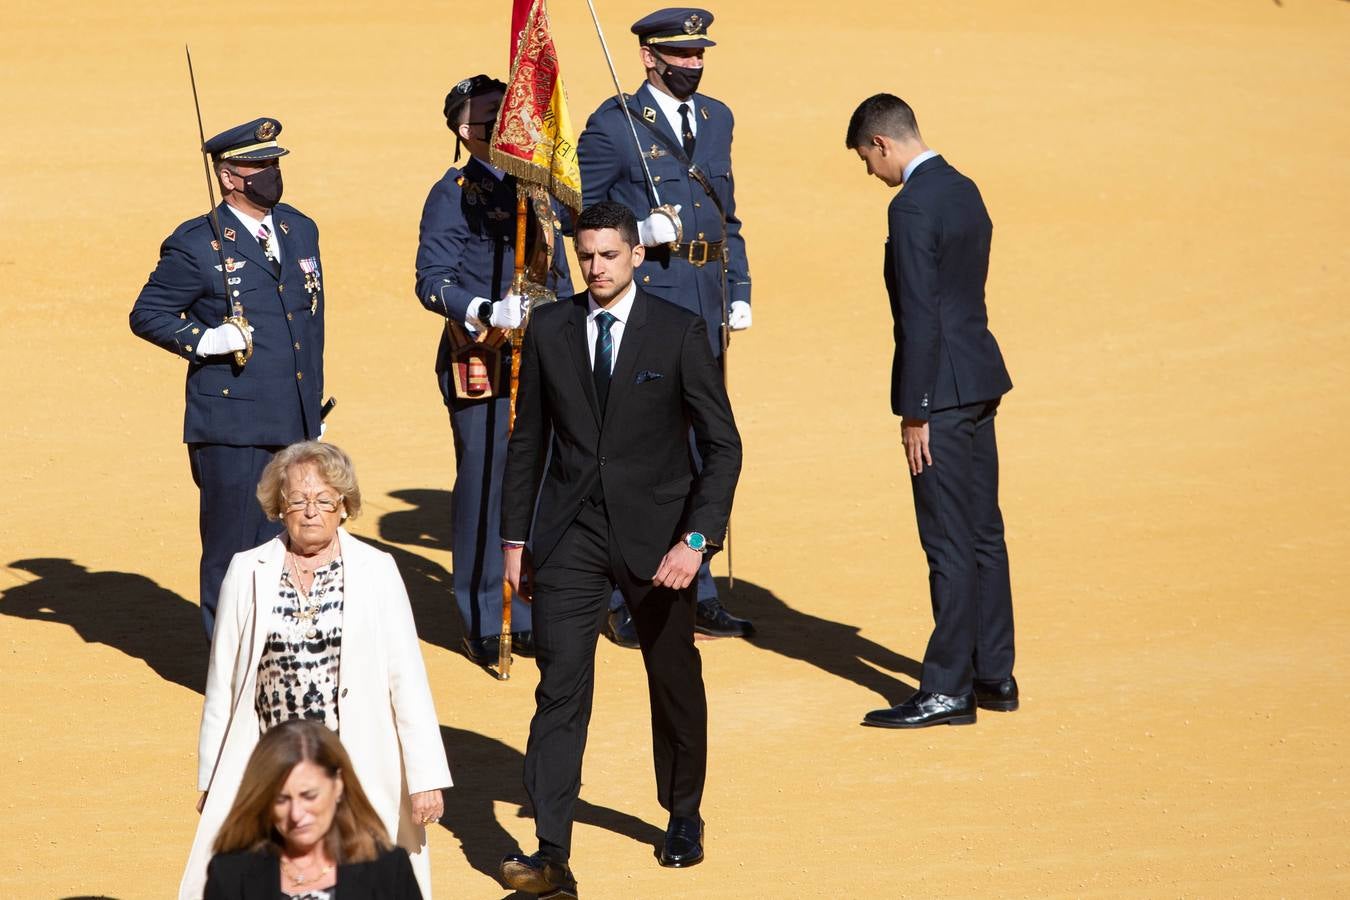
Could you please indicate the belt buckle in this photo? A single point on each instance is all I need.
(702, 259)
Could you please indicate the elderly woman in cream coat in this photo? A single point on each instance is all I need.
(316, 624)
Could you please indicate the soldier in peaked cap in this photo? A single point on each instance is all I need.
(245, 308)
(465, 263)
(691, 258)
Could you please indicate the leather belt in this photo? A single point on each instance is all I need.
(697, 253)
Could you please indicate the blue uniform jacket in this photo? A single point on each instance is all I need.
(466, 248)
(274, 399)
(611, 170)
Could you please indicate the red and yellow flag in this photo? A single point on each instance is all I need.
(534, 139)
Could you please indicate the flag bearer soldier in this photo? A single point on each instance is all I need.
(255, 357)
(695, 252)
(465, 262)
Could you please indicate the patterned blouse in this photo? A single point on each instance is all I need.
(320, 894)
(298, 674)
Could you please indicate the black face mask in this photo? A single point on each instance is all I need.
(681, 81)
(263, 189)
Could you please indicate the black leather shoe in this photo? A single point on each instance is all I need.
(684, 843)
(1000, 696)
(482, 651)
(926, 708)
(712, 619)
(620, 629)
(537, 874)
(522, 643)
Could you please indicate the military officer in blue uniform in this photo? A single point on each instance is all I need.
(695, 251)
(465, 264)
(244, 306)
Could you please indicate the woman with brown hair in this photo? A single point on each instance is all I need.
(301, 826)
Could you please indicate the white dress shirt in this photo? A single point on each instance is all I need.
(620, 311)
(915, 163)
(251, 226)
(670, 107)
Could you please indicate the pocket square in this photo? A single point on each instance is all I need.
(647, 375)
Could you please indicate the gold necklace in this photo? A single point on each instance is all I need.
(298, 877)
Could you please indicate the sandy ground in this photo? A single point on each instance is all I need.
(1169, 186)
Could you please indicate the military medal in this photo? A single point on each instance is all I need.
(310, 266)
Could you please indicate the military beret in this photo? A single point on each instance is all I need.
(678, 26)
(256, 140)
(465, 91)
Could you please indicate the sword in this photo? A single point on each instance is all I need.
(234, 308)
(632, 129)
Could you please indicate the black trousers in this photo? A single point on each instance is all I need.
(961, 529)
(229, 517)
(571, 599)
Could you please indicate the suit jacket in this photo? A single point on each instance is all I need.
(274, 399)
(466, 248)
(612, 170)
(256, 875)
(665, 380)
(937, 258)
(387, 718)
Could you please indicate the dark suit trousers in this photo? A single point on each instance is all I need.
(961, 529)
(229, 517)
(571, 600)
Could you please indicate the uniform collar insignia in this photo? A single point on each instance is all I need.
(703, 111)
(229, 234)
(285, 229)
(649, 114)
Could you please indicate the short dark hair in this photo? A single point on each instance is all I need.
(881, 114)
(609, 214)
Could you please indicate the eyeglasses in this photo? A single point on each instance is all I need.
(325, 504)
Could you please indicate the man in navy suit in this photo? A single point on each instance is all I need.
(254, 354)
(947, 379)
(695, 254)
(465, 262)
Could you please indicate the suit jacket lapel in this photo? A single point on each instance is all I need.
(630, 348)
(705, 132)
(266, 578)
(641, 101)
(575, 338)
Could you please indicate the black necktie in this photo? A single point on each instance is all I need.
(604, 355)
(688, 128)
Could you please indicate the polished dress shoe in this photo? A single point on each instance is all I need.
(926, 708)
(537, 874)
(683, 846)
(620, 629)
(713, 620)
(1000, 696)
(482, 651)
(522, 643)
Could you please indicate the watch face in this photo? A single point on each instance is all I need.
(696, 541)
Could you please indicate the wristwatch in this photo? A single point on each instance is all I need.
(696, 542)
(484, 313)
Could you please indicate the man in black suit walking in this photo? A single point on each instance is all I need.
(946, 382)
(611, 382)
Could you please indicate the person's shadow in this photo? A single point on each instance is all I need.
(123, 610)
(427, 524)
(496, 769)
(833, 647)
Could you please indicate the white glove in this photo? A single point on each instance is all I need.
(221, 339)
(738, 316)
(658, 228)
(509, 311)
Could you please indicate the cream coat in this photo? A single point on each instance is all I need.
(386, 718)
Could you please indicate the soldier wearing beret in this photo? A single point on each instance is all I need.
(465, 263)
(692, 257)
(245, 308)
